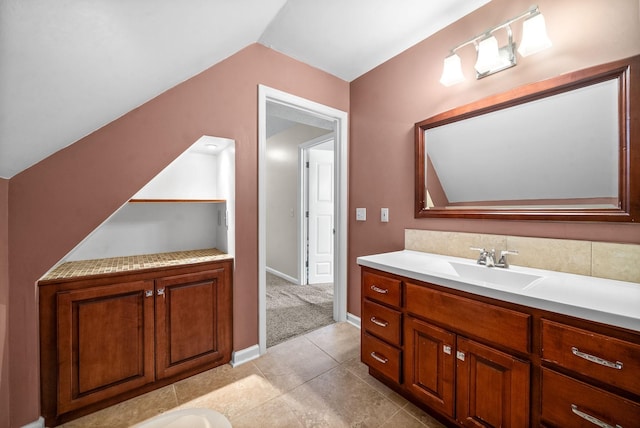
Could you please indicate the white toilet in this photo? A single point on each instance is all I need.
(187, 418)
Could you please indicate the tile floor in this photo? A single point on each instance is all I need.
(315, 380)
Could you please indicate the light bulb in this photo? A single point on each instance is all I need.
(452, 71)
(488, 55)
(534, 35)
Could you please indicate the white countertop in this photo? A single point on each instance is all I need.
(606, 301)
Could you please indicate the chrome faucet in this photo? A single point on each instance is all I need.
(488, 257)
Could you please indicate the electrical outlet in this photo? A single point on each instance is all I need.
(384, 215)
(361, 214)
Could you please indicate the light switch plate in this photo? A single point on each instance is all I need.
(361, 214)
(384, 215)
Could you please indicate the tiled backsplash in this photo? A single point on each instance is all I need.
(601, 259)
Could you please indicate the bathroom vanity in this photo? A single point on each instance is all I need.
(490, 347)
(111, 329)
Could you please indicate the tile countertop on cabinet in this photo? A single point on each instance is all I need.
(596, 299)
(123, 264)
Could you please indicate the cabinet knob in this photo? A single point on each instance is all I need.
(460, 355)
(446, 349)
(160, 291)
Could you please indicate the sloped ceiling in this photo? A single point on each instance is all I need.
(68, 67)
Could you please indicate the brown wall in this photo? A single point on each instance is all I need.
(4, 302)
(386, 102)
(56, 203)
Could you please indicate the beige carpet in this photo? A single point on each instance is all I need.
(294, 309)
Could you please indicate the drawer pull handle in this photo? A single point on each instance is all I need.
(592, 419)
(380, 323)
(379, 359)
(617, 365)
(379, 290)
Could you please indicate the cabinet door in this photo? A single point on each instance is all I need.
(105, 342)
(429, 364)
(492, 387)
(193, 321)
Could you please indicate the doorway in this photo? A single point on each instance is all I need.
(271, 97)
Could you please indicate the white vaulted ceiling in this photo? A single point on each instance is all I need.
(68, 67)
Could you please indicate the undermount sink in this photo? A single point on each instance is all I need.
(496, 276)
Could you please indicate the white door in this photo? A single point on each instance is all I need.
(320, 246)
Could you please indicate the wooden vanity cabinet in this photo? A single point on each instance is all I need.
(108, 338)
(474, 361)
(473, 383)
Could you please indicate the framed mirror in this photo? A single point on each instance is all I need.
(565, 149)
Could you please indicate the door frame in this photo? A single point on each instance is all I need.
(303, 203)
(267, 94)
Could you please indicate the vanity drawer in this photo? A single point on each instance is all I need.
(382, 288)
(610, 360)
(380, 356)
(484, 321)
(567, 402)
(381, 321)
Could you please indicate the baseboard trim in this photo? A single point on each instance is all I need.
(245, 355)
(282, 275)
(354, 320)
(35, 424)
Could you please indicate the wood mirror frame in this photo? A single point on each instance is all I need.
(627, 72)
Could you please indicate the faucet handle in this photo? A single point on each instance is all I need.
(482, 258)
(503, 262)
(505, 252)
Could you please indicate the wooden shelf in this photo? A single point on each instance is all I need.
(177, 200)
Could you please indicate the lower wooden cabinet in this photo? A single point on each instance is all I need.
(105, 342)
(474, 361)
(477, 385)
(188, 319)
(429, 364)
(107, 339)
(492, 387)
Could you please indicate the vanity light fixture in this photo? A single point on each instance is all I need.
(492, 58)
